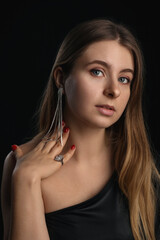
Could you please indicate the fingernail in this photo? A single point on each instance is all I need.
(63, 123)
(66, 129)
(14, 147)
(73, 147)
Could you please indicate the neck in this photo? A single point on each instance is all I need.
(91, 143)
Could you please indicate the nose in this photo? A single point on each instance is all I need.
(112, 89)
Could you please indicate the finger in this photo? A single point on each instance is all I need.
(55, 140)
(69, 154)
(57, 148)
(45, 140)
(17, 150)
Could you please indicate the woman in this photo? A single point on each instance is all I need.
(97, 179)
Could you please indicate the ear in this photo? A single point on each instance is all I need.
(59, 77)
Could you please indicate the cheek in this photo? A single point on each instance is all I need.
(79, 93)
(124, 100)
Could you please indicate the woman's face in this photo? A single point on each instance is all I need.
(98, 88)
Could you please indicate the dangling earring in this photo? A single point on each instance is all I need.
(57, 119)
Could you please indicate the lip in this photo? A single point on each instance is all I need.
(106, 109)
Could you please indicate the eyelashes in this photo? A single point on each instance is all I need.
(124, 80)
(99, 73)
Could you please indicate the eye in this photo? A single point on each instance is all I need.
(97, 72)
(124, 80)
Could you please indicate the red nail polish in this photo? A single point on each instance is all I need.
(66, 129)
(14, 147)
(73, 147)
(63, 123)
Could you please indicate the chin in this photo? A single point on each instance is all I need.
(102, 124)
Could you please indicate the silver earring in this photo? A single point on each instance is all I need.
(57, 119)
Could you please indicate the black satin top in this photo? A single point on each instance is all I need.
(102, 217)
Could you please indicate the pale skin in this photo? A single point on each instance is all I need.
(102, 75)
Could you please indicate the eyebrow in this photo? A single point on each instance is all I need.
(107, 65)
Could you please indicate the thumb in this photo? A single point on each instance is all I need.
(17, 150)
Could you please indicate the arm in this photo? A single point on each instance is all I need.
(9, 165)
(25, 208)
(28, 221)
(27, 204)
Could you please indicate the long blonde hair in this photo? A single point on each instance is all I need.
(134, 162)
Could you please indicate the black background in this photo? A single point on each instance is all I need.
(31, 34)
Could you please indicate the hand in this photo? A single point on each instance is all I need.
(40, 160)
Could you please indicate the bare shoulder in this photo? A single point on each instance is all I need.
(9, 162)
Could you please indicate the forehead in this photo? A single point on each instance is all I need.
(112, 52)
